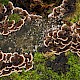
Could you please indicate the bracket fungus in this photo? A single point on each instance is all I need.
(14, 62)
(6, 25)
(63, 39)
(67, 6)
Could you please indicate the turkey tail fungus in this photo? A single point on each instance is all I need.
(67, 6)
(64, 39)
(7, 12)
(14, 62)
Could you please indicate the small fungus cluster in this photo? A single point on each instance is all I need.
(60, 11)
(64, 38)
(6, 25)
(14, 62)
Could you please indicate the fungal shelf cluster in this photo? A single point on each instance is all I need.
(14, 62)
(63, 39)
(67, 6)
(7, 26)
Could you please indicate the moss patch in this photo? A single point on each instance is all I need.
(15, 17)
(5, 2)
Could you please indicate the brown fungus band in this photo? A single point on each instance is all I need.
(63, 39)
(14, 62)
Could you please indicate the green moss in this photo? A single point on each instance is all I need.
(15, 17)
(75, 18)
(74, 62)
(38, 58)
(72, 59)
(5, 2)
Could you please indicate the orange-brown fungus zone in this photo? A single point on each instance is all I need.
(14, 62)
(63, 39)
(7, 26)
